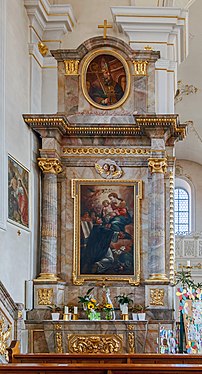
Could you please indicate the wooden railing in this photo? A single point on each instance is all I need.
(101, 368)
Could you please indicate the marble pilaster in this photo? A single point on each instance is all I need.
(157, 214)
(50, 168)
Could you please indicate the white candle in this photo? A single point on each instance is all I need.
(66, 310)
(188, 263)
(75, 309)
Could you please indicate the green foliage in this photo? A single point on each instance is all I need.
(124, 298)
(84, 299)
(184, 277)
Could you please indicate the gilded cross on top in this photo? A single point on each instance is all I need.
(105, 26)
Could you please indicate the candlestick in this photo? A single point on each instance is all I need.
(188, 263)
(125, 317)
(66, 311)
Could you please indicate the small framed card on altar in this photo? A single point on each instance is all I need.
(106, 230)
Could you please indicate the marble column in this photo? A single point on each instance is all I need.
(157, 217)
(50, 167)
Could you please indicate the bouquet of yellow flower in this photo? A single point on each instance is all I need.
(108, 309)
(90, 304)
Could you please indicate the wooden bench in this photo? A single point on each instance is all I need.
(67, 358)
(41, 368)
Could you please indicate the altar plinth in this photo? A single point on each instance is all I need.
(84, 336)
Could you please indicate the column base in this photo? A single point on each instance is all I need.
(47, 277)
(157, 278)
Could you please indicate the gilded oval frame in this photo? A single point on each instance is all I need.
(86, 64)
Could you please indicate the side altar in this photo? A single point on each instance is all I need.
(107, 215)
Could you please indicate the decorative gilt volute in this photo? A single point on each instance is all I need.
(50, 165)
(71, 67)
(157, 165)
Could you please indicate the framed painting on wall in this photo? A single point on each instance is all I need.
(18, 192)
(105, 79)
(106, 230)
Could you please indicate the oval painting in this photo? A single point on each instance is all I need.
(106, 81)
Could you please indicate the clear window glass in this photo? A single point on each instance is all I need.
(182, 211)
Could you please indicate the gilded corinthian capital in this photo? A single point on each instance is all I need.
(157, 165)
(50, 165)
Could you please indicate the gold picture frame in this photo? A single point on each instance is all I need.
(105, 79)
(106, 230)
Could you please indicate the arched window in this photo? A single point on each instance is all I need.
(184, 206)
(182, 211)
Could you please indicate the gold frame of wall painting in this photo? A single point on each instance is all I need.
(95, 235)
(88, 63)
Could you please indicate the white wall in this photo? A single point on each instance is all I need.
(15, 250)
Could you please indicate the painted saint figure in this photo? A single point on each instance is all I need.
(104, 90)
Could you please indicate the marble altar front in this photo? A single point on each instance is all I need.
(84, 336)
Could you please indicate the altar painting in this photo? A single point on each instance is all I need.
(106, 79)
(18, 195)
(106, 229)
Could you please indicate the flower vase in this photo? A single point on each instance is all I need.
(93, 315)
(109, 315)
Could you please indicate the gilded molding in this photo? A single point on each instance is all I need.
(172, 231)
(157, 296)
(71, 67)
(131, 342)
(45, 296)
(157, 278)
(50, 165)
(140, 68)
(47, 277)
(97, 343)
(79, 279)
(91, 151)
(58, 338)
(157, 165)
(142, 122)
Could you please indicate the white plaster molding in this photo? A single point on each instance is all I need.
(3, 177)
(157, 24)
(50, 21)
(163, 29)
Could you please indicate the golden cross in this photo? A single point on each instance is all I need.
(105, 27)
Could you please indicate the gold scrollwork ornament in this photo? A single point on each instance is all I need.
(157, 165)
(157, 296)
(50, 165)
(45, 296)
(110, 343)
